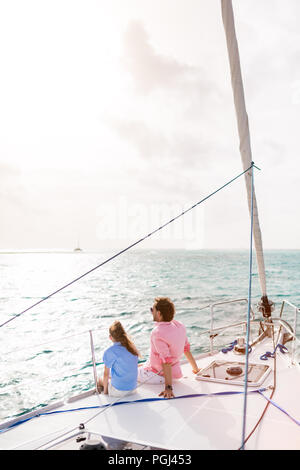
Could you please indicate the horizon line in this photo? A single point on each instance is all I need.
(82, 251)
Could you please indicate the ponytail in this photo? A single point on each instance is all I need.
(119, 334)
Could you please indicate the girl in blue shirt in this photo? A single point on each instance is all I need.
(121, 360)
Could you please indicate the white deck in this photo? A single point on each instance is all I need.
(189, 423)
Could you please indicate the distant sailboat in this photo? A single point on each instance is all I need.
(209, 409)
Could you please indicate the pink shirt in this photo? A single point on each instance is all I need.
(168, 342)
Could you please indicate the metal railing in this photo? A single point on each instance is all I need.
(212, 329)
(212, 332)
(294, 332)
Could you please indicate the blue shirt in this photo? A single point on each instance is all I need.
(123, 365)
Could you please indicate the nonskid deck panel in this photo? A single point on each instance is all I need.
(206, 422)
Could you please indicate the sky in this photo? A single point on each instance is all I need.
(117, 115)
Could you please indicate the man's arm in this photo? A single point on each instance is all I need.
(192, 361)
(168, 391)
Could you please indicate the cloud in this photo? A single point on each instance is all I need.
(157, 146)
(172, 109)
(149, 143)
(149, 69)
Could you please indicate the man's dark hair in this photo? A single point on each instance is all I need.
(166, 307)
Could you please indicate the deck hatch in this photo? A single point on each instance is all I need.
(234, 373)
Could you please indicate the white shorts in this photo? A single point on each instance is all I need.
(114, 392)
(149, 377)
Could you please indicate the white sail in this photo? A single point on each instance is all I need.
(243, 129)
(207, 411)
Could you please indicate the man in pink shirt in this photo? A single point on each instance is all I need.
(168, 343)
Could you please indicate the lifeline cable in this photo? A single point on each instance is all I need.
(129, 247)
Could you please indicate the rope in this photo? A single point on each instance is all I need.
(128, 248)
(248, 315)
(268, 354)
(271, 396)
(82, 425)
(109, 405)
(154, 399)
(231, 347)
(280, 408)
(142, 400)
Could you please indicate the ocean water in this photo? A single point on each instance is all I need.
(46, 354)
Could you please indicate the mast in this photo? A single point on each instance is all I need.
(245, 146)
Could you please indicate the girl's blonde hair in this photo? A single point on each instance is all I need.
(118, 333)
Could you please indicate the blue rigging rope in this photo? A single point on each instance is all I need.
(248, 314)
(268, 354)
(231, 347)
(129, 247)
(142, 400)
(279, 408)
